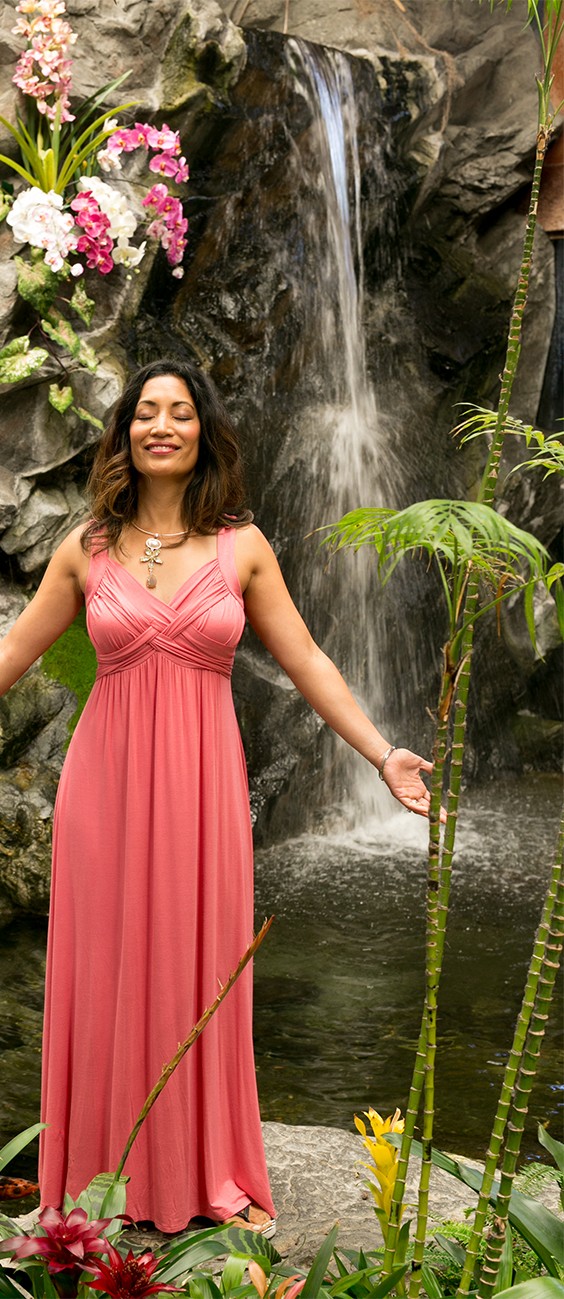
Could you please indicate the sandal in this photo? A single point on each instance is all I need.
(243, 1219)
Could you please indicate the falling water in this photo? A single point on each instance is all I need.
(351, 464)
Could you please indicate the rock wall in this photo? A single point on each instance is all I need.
(447, 103)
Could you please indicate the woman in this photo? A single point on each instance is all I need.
(152, 856)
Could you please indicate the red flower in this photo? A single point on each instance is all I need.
(127, 1276)
(67, 1242)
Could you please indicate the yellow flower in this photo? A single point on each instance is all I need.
(384, 1159)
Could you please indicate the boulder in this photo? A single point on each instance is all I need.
(47, 516)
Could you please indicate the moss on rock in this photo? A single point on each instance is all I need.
(72, 662)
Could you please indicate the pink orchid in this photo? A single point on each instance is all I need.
(67, 1242)
(183, 171)
(159, 198)
(98, 253)
(50, 38)
(163, 138)
(89, 214)
(164, 164)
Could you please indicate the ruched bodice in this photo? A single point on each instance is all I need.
(151, 906)
(201, 626)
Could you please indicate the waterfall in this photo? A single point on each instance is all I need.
(350, 462)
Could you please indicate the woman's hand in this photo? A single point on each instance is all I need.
(402, 775)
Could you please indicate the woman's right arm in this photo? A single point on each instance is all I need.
(49, 613)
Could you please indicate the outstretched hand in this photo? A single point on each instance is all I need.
(402, 775)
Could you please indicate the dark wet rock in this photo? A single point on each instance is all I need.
(43, 522)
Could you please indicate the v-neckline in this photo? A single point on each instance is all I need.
(168, 604)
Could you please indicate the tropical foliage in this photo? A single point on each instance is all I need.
(73, 214)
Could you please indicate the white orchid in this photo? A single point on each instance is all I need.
(123, 222)
(37, 218)
(126, 254)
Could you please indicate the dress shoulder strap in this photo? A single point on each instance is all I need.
(226, 560)
(96, 567)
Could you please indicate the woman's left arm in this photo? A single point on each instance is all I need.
(274, 617)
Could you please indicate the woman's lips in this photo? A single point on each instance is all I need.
(161, 449)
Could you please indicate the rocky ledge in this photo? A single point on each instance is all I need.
(318, 1180)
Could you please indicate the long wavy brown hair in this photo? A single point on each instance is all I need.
(214, 498)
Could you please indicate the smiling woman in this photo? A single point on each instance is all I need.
(165, 427)
(152, 853)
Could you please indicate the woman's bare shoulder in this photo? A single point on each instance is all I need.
(251, 542)
(70, 555)
(253, 553)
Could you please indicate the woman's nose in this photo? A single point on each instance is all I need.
(160, 422)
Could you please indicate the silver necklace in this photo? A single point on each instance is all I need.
(153, 547)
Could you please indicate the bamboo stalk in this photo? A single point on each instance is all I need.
(459, 710)
(418, 1075)
(468, 612)
(198, 1028)
(489, 480)
(523, 1086)
(510, 1074)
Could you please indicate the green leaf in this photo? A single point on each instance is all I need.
(430, 1282)
(341, 1267)
(454, 1250)
(538, 1287)
(5, 204)
(60, 398)
(204, 1288)
(91, 104)
(554, 1147)
(387, 1283)
(46, 1288)
(243, 1242)
(37, 283)
(319, 1266)
(82, 304)
(9, 1286)
(402, 1242)
(8, 1227)
(87, 417)
(104, 1197)
(187, 1255)
(348, 1284)
(232, 1273)
(86, 145)
(21, 171)
(15, 368)
(87, 357)
(60, 331)
(114, 1202)
(17, 347)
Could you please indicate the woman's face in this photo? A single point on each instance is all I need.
(165, 429)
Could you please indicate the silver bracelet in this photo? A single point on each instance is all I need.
(391, 749)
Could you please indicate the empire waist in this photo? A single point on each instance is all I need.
(189, 656)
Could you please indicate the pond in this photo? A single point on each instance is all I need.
(339, 979)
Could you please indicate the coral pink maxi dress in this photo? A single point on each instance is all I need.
(151, 907)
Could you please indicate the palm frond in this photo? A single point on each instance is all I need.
(549, 455)
(454, 532)
(481, 420)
